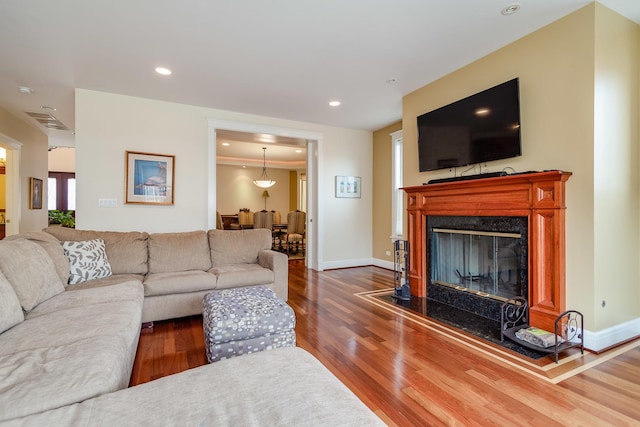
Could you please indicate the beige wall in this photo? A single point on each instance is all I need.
(293, 191)
(562, 69)
(616, 180)
(62, 159)
(146, 125)
(33, 163)
(382, 196)
(235, 189)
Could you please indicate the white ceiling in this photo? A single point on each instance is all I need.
(278, 58)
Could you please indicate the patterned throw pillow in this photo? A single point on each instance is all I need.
(88, 260)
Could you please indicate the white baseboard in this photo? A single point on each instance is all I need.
(617, 334)
(344, 263)
(382, 263)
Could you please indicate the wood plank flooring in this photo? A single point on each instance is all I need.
(411, 375)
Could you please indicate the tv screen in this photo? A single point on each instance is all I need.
(476, 129)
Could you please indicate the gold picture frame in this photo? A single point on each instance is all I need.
(149, 178)
(35, 193)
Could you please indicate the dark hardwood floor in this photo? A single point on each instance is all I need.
(410, 374)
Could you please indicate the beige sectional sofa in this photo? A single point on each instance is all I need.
(178, 269)
(67, 351)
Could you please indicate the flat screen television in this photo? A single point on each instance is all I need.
(476, 129)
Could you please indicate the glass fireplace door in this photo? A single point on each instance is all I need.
(486, 263)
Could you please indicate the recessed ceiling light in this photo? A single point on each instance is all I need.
(265, 137)
(26, 90)
(225, 144)
(298, 151)
(511, 9)
(163, 71)
(334, 103)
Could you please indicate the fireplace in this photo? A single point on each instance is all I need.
(476, 263)
(473, 213)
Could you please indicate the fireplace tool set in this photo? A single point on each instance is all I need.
(401, 270)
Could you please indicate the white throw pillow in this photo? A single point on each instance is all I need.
(10, 310)
(88, 260)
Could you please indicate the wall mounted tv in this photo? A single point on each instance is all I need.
(476, 129)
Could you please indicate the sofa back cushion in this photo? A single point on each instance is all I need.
(184, 251)
(30, 271)
(126, 250)
(238, 246)
(53, 246)
(10, 310)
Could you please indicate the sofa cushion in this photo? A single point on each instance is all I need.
(10, 309)
(170, 252)
(237, 246)
(87, 260)
(178, 282)
(234, 275)
(283, 387)
(71, 350)
(127, 251)
(107, 281)
(53, 247)
(32, 285)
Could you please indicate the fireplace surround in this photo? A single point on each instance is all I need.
(538, 197)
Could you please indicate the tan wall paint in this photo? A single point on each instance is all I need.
(556, 67)
(33, 163)
(382, 192)
(146, 125)
(62, 159)
(616, 185)
(293, 191)
(235, 189)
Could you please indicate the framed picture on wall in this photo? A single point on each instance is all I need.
(35, 193)
(347, 186)
(149, 178)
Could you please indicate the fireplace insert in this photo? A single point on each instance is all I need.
(476, 263)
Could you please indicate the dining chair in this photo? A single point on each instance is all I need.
(296, 228)
(263, 219)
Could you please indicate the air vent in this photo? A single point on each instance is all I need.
(48, 121)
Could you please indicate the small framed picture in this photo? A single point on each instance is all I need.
(149, 178)
(35, 193)
(347, 186)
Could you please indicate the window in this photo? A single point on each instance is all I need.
(62, 191)
(397, 197)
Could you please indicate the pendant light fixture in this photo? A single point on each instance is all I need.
(264, 181)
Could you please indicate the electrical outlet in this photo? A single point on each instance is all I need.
(388, 253)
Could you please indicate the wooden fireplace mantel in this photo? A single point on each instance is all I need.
(540, 196)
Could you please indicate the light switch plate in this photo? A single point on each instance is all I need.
(107, 203)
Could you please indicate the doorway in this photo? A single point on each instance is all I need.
(313, 142)
(11, 214)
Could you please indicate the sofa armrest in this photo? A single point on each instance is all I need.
(279, 264)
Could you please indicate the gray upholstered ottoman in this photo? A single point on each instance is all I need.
(246, 320)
